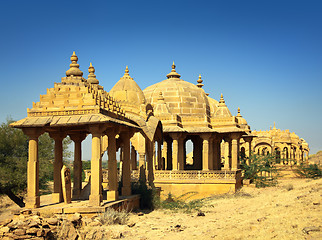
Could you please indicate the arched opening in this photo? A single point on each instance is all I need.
(189, 158)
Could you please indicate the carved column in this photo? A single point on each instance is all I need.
(126, 168)
(77, 186)
(96, 167)
(112, 193)
(165, 154)
(33, 198)
(58, 164)
(234, 151)
(227, 154)
(206, 159)
(177, 152)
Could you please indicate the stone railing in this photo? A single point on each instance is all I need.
(179, 175)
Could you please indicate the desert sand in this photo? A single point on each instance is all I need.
(291, 210)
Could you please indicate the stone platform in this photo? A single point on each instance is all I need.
(128, 203)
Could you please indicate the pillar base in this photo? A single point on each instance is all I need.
(32, 202)
(112, 195)
(56, 197)
(95, 200)
(126, 191)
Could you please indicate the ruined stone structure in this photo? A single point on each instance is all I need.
(287, 146)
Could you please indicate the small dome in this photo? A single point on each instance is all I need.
(127, 92)
(241, 120)
(181, 97)
(213, 105)
(222, 110)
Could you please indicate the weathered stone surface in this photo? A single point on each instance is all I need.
(32, 230)
(19, 232)
(51, 221)
(5, 222)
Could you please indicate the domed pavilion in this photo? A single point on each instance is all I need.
(187, 114)
(286, 145)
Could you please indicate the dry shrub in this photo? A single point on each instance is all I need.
(112, 216)
(289, 187)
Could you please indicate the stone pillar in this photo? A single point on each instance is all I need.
(133, 158)
(77, 185)
(234, 151)
(165, 154)
(175, 154)
(96, 167)
(206, 159)
(112, 193)
(57, 195)
(227, 154)
(126, 168)
(217, 153)
(33, 198)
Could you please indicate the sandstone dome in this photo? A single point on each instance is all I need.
(182, 98)
(127, 92)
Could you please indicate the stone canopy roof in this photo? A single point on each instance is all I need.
(75, 101)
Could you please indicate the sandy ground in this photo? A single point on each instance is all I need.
(291, 210)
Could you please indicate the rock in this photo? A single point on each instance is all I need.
(15, 212)
(52, 221)
(261, 219)
(40, 233)
(5, 222)
(307, 230)
(19, 232)
(33, 223)
(76, 219)
(25, 212)
(4, 230)
(200, 214)
(32, 230)
(131, 225)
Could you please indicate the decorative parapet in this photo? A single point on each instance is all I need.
(178, 175)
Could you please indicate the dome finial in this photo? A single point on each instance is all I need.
(238, 112)
(74, 67)
(200, 85)
(91, 76)
(222, 101)
(126, 71)
(173, 73)
(274, 126)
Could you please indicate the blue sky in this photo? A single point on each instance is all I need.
(264, 56)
